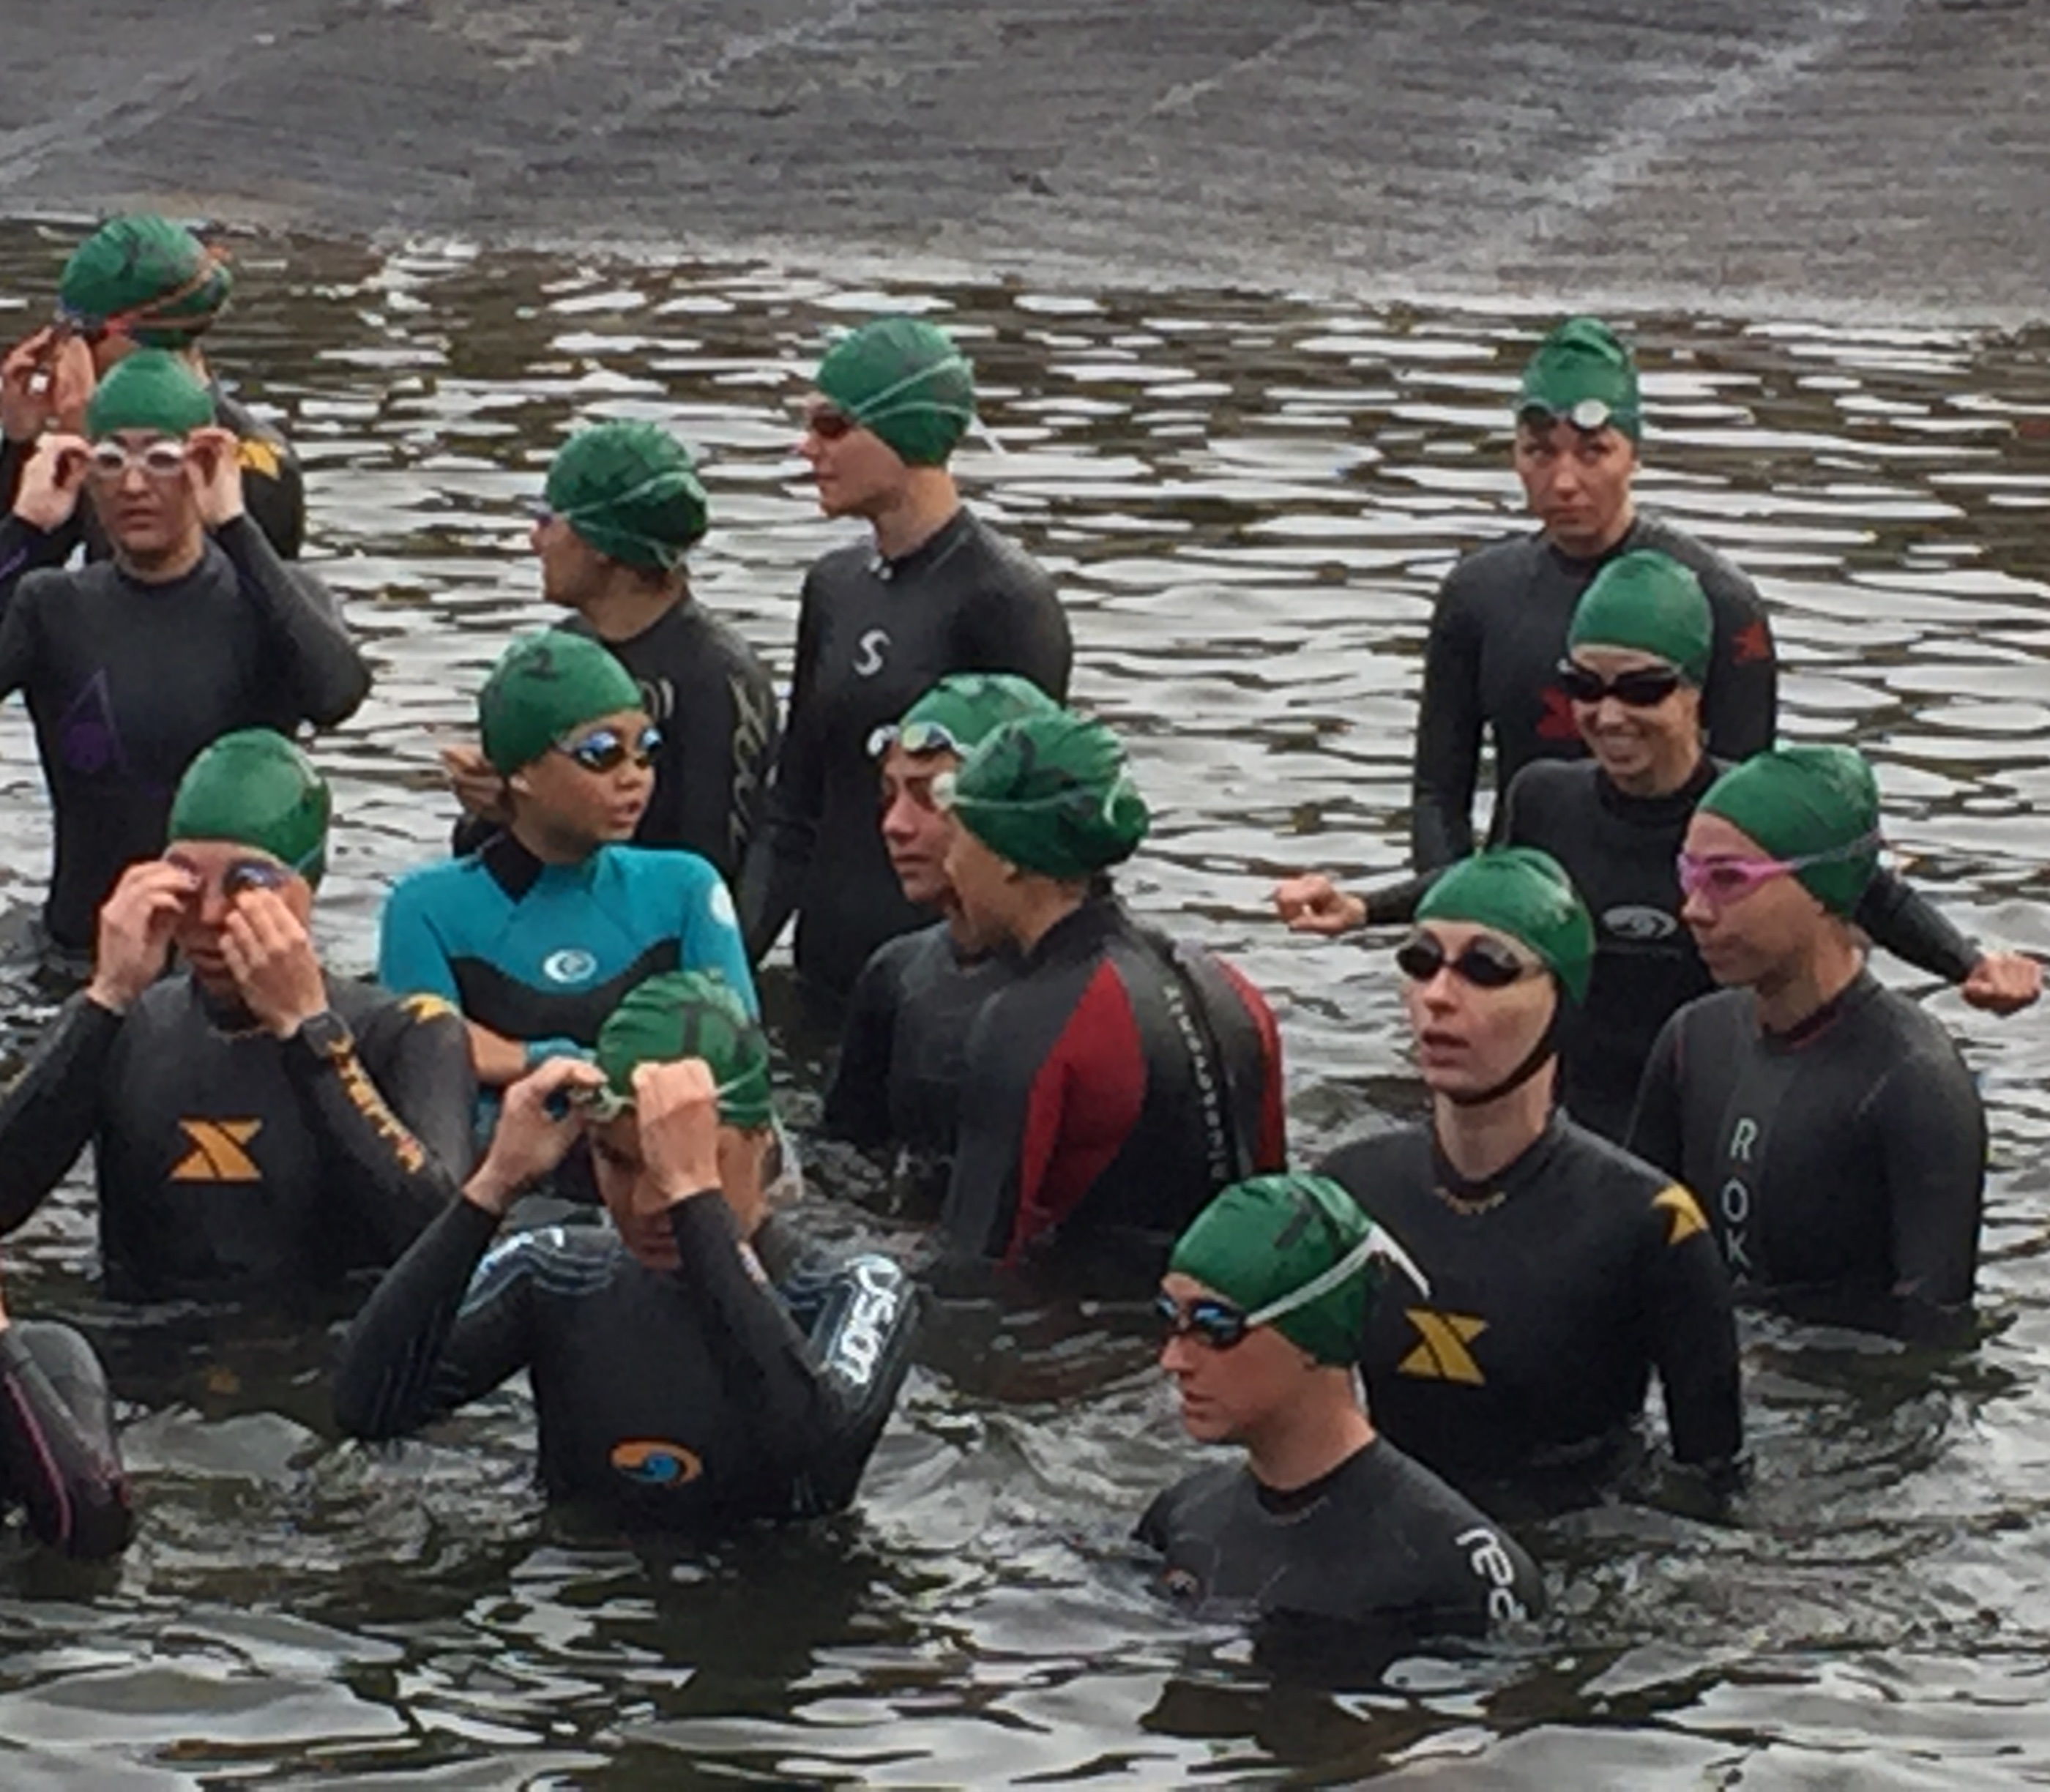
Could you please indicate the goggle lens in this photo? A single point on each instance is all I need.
(1216, 1323)
(1645, 688)
(603, 750)
(1483, 963)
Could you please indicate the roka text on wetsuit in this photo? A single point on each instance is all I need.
(1843, 1163)
(872, 636)
(1497, 636)
(1379, 1542)
(1557, 1286)
(903, 1052)
(543, 953)
(126, 681)
(1116, 1085)
(57, 1455)
(688, 1399)
(230, 1163)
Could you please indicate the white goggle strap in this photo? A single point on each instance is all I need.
(1377, 1242)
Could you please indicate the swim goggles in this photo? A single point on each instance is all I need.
(1485, 963)
(915, 738)
(1644, 688)
(1222, 1325)
(606, 749)
(1586, 414)
(164, 458)
(1722, 880)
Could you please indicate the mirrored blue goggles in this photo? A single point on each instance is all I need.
(915, 738)
(607, 749)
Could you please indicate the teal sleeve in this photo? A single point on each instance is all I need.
(711, 936)
(411, 958)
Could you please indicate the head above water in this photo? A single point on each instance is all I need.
(254, 789)
(145, 278)
(904, 381)
(544, 685)
(1525, 895)
(1582, 373)
(150, 392)
(1804, 802)
(630, 491)
(1647, 601)
(1294, 1245)
(1052, 795)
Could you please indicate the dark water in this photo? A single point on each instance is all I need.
(1248, 500)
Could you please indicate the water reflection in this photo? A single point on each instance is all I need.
(1249, 501)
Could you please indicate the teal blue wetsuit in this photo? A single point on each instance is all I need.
(543, 953)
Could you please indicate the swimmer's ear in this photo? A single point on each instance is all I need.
(517, 783)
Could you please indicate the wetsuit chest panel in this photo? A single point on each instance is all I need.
(1384, 1541)
(1534, 1337)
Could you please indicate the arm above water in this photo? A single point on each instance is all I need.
(47, 1117)
(325, 675)
(1449, 726)
(57, 1455)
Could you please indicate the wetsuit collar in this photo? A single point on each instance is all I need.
(229, 1018)
(515, 870)
(1656, 811)
(1861, 989)
(1076, 935)
(1468, 1197)
(1592, 564)
(937, 546)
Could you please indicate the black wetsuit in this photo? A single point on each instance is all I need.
(1843, 1163)
(1117, 1083)
(231, 1164)
(694, 1399)
(1379, 1540)
(716, 703)
(57, 1456)
(126, 682)
(273, 492)
(1496, 637)
(904, 1049)
(1556, 1288)
(873, 636)
(1620, 851)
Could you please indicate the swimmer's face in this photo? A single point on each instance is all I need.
(591, 787)
(985, 891)
(1577, 482)
(1468, 1037)
(223, 872)
(856, 472)
(1763, 936)
(148, 514)
(916, 830)
(1228, 1396)
(1647, 748)
(635, 1205)
(572, 570)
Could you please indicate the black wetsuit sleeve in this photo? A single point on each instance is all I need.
(1740, 705)
(56, 1448)
(1914, 929)
(802, 1415)
(1932, 1149)
(325, 677)
(419, 1049)
(46, 1118)
(1655, 1132)
(1693, 1334)
(394, 1183)
(988, 1182)
(274, 495)
(1448, 736)
(24, 547)
(780, 854)
(418, 1350)
(857, 1101)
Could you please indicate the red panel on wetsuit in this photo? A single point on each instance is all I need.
(1086, 1100)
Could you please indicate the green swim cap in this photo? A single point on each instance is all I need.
(957, 713)
(631, 491)
(544, 685)
(904, 379)
(1648, 601)
(690, 1013)
(1584, 372)
(255, 788)
(1052, 794)
(150, 389)
(150, 278)
(1261, 1241)
(1522, 893)
(1797, 801)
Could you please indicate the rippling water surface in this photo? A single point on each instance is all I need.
(1249, 501)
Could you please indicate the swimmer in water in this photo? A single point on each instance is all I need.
(694, 1367)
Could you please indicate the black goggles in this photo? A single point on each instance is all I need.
(1644, 688)
(1484, 963)
(1215, 1323)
